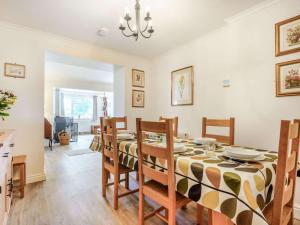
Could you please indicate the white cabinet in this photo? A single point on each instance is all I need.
(6, 148)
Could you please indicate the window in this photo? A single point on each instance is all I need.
(78, 106)
(83, 105)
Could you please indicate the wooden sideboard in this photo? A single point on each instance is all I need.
(6, 149)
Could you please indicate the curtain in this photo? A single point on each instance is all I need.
(57, 102)
(62, 104)
(95, 108)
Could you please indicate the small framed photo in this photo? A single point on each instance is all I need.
(138, 78)
(288, 78)
(14, 70)
(138, 98)
(287, 36)
(182, 90)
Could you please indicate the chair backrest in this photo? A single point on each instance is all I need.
(164, 153)
(286, 169)
(122, 120)
(47, 129)
(109, 139)
(174, 122)
(219, 123)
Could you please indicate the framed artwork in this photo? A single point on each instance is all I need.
(138, 98)
(138, 78)
(287, 36)
(288, 78)
(14, 70)
(182, 90)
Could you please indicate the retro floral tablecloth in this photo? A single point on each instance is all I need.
(236, 189)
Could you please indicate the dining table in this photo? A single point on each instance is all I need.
(238, 189)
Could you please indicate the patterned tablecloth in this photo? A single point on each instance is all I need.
(236, 189)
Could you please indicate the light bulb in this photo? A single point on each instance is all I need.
(126, 11)
(147, 9)
(150, 23)
(121, 21)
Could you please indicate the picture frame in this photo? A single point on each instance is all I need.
(287, 36)
(14, 70)
(138, 98)
(182, 86)
(138, 78)
(288, 78)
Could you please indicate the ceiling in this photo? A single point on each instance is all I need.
(175, 21)
(62, 67)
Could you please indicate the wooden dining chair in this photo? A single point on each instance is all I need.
(281, 210)
(110, 160)
(161, 186)
(174, 123)
(219, 123)
(123, 121)
(229, 123)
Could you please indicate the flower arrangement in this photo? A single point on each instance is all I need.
(181, 85)
(7, 99)
(292, 80)
(293, 35)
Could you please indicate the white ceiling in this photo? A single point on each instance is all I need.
(62, 67)
(175, 21)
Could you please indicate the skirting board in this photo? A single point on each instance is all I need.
(297, 211)
(35, 178)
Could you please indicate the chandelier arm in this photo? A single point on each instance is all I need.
(145, 35)
(146, 27)
(127, 35)
(129, 27)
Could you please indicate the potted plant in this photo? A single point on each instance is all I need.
(7, 99)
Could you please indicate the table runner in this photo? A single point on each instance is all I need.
(236, 189)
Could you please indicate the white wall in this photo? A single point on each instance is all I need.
(59, 75)
(243, 52)
(28, 47)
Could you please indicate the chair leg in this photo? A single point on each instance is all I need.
(141, 207)
(127, 180)
(137, 176)
(172, 215)
(200, 212)
(291, 221)
(210, 217)
(166, 214)
(104, 181)
(116, 188)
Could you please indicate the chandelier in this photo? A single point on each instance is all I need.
(135, 30)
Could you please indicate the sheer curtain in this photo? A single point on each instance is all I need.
(95, 107)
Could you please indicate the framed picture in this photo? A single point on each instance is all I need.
(138, 78)
(288, 78)
(138, 98)
(182, 90)
(287, 36)
(14, 70)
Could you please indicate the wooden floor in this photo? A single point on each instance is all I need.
(72, 195)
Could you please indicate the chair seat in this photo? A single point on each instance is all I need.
(268, 213)
(160, 192)
(122, 169)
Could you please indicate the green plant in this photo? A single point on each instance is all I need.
(7, 99)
